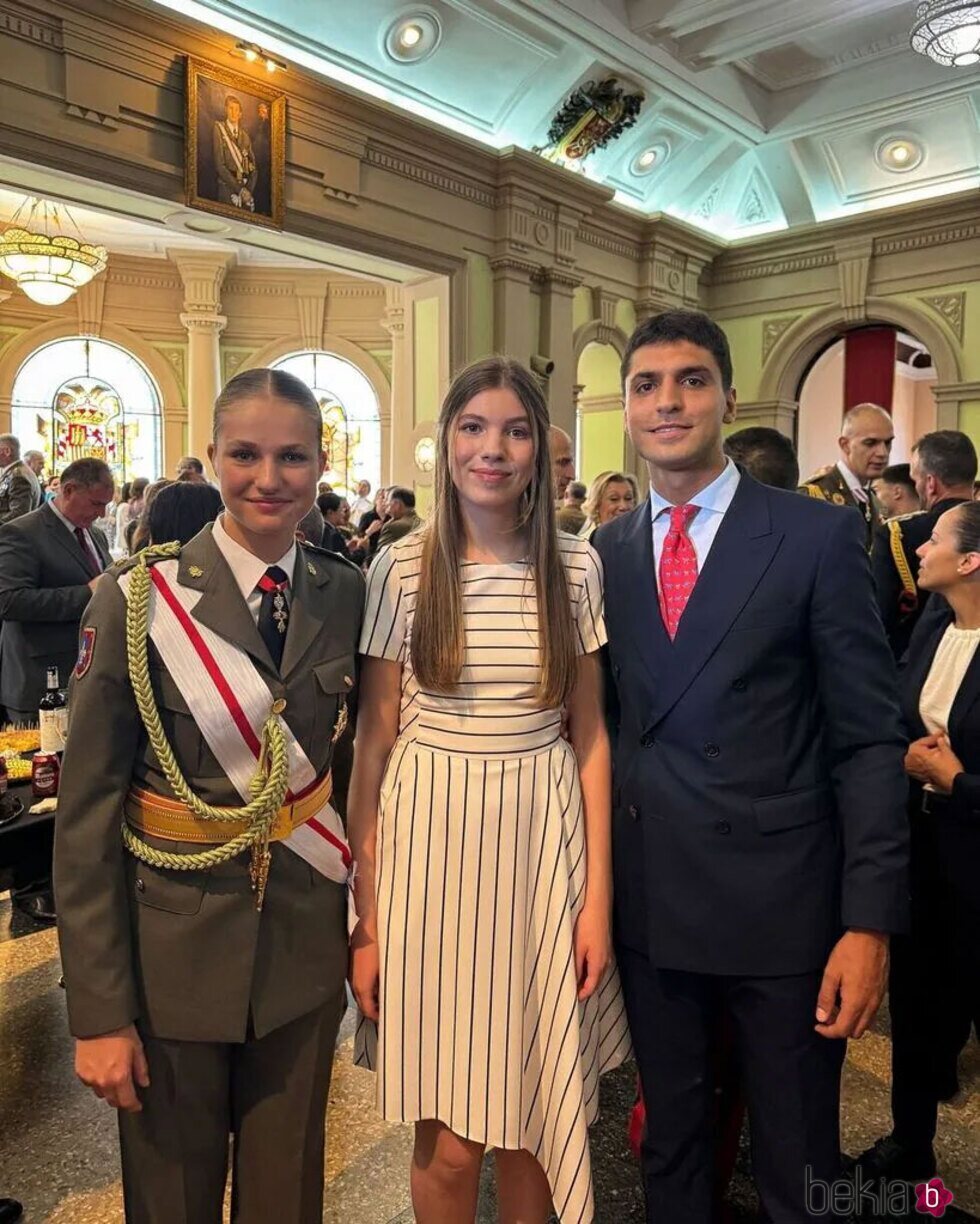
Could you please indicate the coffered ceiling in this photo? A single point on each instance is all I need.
(762, 114)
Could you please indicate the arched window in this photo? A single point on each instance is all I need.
(83, 398)
(351, 423)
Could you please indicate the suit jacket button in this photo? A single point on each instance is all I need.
(712, 750)
(739, 685)
(140, 886)
(723, 826)
(633, 810)
(646, 741)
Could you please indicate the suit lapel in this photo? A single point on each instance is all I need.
(740, 554)
(59, 533)
(639, 592)
(914, 677)
(307, 611)
(221, 606)
(968, 695)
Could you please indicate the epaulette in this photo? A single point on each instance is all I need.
(328, 554)
(903, 518)
(813, 490)
(124, 564)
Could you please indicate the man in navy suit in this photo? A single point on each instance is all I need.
(759, 831)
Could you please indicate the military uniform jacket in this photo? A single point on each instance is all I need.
(832, 487)
(187, 954)
(900, 616)
(20, 492)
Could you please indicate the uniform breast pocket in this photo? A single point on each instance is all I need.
(333, 680)
(179, 726)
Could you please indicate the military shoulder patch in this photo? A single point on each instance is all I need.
(85, 652)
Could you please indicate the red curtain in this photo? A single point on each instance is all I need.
(869, 367)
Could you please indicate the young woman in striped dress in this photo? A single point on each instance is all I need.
(481, 960)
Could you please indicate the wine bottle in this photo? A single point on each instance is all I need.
(49, 716)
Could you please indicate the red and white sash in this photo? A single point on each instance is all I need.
(230, 702)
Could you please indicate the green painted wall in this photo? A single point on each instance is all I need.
(426, 319)
(625, 315)
(602, 444)
(598, 370)
(479, 307)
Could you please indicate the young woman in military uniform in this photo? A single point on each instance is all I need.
(200, 869)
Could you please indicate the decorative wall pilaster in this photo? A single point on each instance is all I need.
(311, 305)
(396, 436)
(853, 271)
(512, 306)
(90, 304)
(774, 414)
(202, 274)
(557, 342)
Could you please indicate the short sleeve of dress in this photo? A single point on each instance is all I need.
(383, 634)
(590, 622)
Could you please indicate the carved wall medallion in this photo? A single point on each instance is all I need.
(952, 308)
(772, 329)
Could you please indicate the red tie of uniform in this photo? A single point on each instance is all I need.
(678, 568)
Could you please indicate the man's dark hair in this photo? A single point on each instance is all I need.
(88, 473)
(766, 454)
(949, 455)
(577, 489)
(898, 474)
(190, 463)
(674, 325)
(328, 503)
(405, 496)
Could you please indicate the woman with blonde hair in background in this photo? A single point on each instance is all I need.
(481, 961)
(610, 494)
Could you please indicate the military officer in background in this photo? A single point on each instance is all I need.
(944, 467)
(234, 161)
(200, 868)
(20, 489)
(865, 445)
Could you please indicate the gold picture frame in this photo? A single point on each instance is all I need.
(234, 157)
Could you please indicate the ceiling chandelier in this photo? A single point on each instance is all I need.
(948, 31)
(47, 262)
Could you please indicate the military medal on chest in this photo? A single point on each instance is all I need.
(280, 613)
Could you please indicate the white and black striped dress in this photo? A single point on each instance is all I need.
(480, 876)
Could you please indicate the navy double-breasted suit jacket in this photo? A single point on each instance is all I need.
(759, 794)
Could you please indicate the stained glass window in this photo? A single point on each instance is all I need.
(351, 424)
(85, 398)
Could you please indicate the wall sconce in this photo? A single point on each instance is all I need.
(254, 53)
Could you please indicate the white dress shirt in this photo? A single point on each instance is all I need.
(70, 526)
(712, 503)
(246, 568)
(852, 482)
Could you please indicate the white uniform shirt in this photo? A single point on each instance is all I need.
(712, 503)
(247, 569)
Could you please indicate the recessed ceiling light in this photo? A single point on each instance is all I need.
(898, 153)
(648, 159)
(412, 37)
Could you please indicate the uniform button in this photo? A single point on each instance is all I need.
(739, 685)
(723, 826)
(633, 810)
(712, 750)
(140, 886)
(646, 741)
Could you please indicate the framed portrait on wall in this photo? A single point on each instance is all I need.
(235, 147)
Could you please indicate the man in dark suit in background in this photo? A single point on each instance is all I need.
(50, 560)
(944, 467)
(759, 834)
(20, 489)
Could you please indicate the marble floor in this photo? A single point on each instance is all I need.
(57, 1142)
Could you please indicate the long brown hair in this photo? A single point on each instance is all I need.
(438, 630)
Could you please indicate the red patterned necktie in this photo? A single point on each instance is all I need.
(274, 610)
(678, 568)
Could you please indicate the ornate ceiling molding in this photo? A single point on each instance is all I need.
(929, 238)
(773, 267)
(429, 175)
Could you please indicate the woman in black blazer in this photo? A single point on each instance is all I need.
(935, 975)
